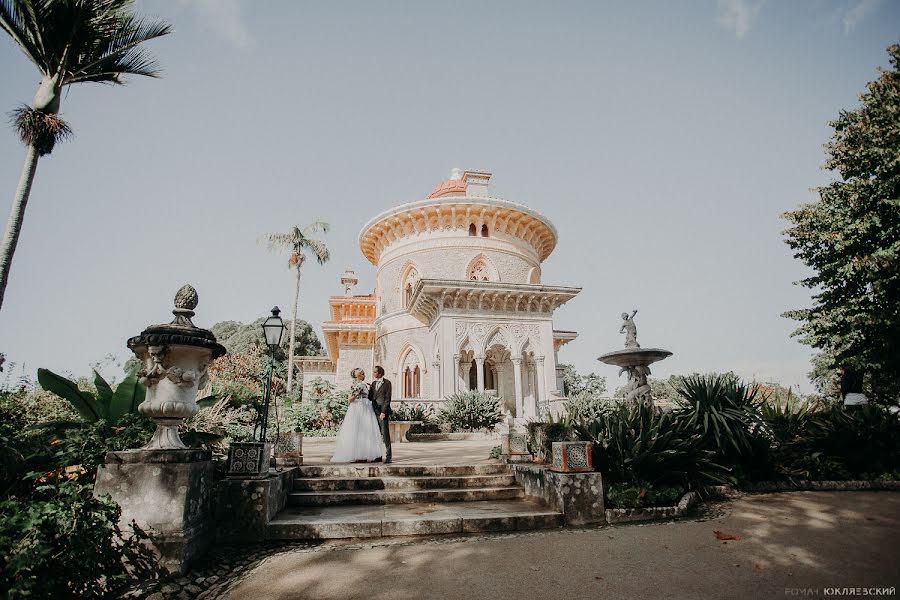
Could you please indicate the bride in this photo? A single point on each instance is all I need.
(359, 439)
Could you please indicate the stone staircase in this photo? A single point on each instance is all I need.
(350, 501)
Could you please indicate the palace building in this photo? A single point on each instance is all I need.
(459, 302)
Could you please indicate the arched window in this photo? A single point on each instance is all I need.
(412, 382)
(411, 374)
(484, 231)
(409, 284)
(472, 230)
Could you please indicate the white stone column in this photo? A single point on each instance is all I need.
(466, 368)
(541, 390)
(455, 373)
(479, 372)
(517, 380)
(436, 380)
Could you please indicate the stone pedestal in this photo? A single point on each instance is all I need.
(168, 494)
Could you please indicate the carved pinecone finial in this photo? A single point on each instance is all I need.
(185, 302)
(186, 297)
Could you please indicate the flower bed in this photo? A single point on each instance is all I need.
(627, 515)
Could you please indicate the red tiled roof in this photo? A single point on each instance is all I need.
(451, 187)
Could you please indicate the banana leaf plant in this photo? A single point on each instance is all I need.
(111, 405)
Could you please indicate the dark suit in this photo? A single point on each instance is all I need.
(380, 395)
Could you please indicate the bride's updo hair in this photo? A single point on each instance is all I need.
(355, 373)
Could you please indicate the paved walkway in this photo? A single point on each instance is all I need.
(788, 542)
(318, 451)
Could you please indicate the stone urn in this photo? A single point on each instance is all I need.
(174, 360)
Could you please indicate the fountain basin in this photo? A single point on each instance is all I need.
(634, 357)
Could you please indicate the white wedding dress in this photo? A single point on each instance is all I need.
(360, 436)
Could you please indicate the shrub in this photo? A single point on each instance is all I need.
(822, 440)
(723, 410)
(417, 412)
(61, 542)
(642, 495)
(315, 415)
(586, 407)
(471, 410)
(634, 443)
(541, 436)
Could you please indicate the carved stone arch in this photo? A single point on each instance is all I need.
(481, 268)
(498, 336)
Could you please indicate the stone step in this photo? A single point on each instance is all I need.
(331, 484)
(380, 470)
(331, 522)
(333, 498)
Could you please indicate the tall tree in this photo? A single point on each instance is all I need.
(297, 242)
(69, 41)
(850, 238)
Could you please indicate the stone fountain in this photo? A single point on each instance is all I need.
(635, 361)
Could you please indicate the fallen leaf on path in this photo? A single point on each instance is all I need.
(535, 568)
(725, 536)
(759, 567)
(597, 577)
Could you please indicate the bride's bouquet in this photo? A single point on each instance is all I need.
(357, 390)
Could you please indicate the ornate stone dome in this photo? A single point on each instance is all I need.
(459, 204)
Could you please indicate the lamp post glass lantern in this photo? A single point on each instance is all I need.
(273, 331)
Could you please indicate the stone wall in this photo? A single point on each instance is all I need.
(579, 496)
(448, 259)
(352, 357)
(243, 507)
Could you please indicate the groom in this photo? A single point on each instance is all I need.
(380, 395)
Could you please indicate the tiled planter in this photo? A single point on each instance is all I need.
(289, 449)
(572, 457)
(514, 444)
(249, 459)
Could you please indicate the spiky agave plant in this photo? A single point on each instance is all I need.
(69, 41)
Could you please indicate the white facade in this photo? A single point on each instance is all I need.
(458, 302)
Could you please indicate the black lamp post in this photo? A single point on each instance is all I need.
(273, 330)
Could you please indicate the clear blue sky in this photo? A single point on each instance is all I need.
(663, 139)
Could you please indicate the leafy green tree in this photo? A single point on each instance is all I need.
(297, 242)
(850, 238)
(576, 384)
(247, 338)
(69, 41)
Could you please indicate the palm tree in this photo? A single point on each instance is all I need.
(69, 41)
(297, 241)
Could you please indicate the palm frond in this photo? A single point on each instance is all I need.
(318, 248)
(297, 240)
(81, 41)
(314, 228)
(13, 22)
(119, 54)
